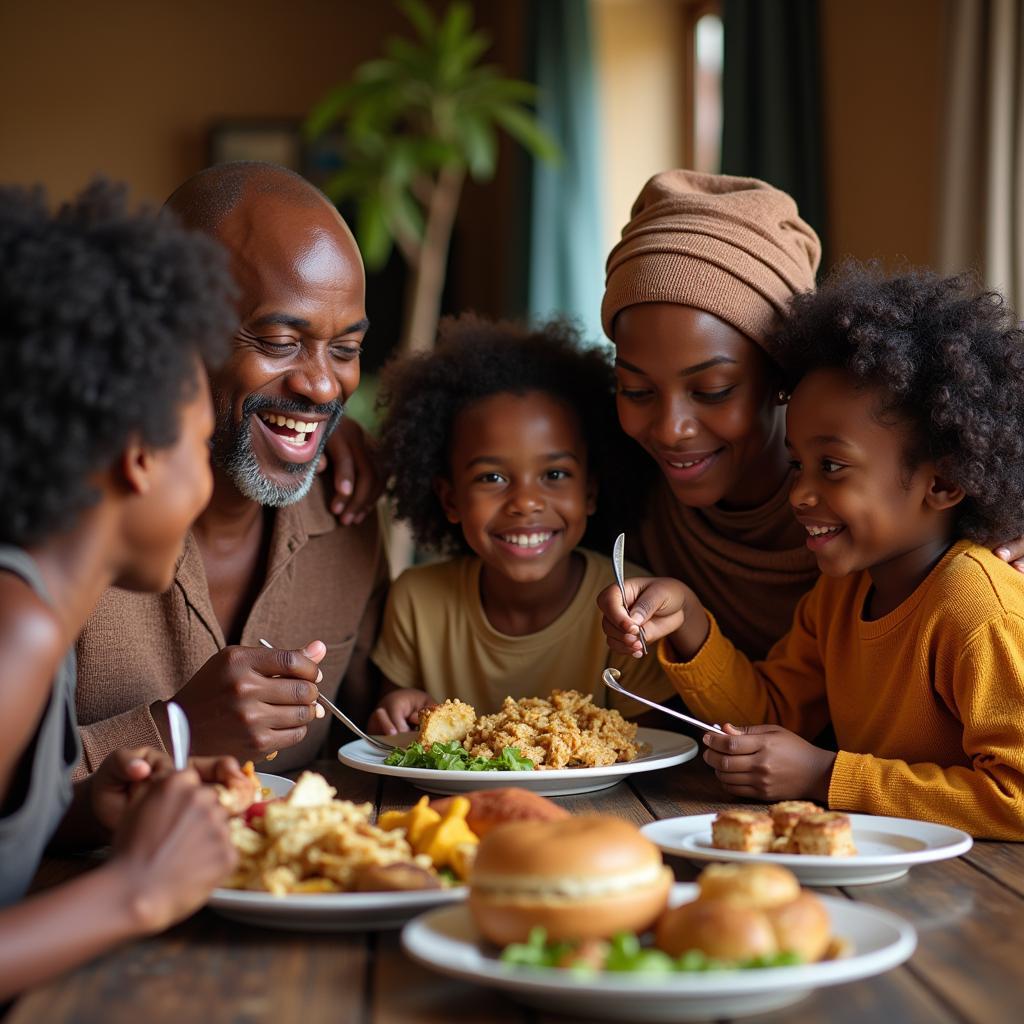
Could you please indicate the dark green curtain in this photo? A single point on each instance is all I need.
(771, 99)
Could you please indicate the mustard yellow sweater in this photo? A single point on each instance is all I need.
(927, 702)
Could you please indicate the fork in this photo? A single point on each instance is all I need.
(618, 557)
(345, 720)
(610, 678)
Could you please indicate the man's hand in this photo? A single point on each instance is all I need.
(250, 701)
(767, 762)
(351, 459)
(399, 711)
(1012, 551)
(663, 606)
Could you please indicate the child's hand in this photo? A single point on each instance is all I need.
(663, 606)
(356, 478)
(767, 762)
(171, 849)
(120, 778)
(399, 711)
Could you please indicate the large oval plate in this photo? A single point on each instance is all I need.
(886, 848)
(330, 911)
(666, 749)
(446, 941)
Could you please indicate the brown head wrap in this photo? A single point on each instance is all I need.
(734, 247)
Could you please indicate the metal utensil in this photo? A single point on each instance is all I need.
(610, 678)
(181, 735)
(618, 557)
(345, 720)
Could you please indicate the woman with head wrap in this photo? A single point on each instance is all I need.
(700, 281)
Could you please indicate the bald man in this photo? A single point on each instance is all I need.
(266, 560)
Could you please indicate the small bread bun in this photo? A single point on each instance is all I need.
(491, 807)
(802, 927)
(719, 929)
(758, 886)
(584, 877)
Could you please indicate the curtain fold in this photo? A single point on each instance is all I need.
(771, 99)
(565, 269)
(981, 221)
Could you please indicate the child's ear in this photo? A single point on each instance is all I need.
(443, 489)
(135, 468)
(591, 495)
(943, 494)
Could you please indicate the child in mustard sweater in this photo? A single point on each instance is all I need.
(906, 428)
(496, 445)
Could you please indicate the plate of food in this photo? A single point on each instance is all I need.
(274, 785)
(310, 862)
(558, 746)
(819, 847)
(580, 916)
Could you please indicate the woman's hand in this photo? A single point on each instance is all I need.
(767, 762)
(1012, 551)
(351, 461)
(399, 711)
(171, 849)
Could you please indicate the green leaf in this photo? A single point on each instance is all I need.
(421, 17)
(372, 232)
(479, 144)
(455, 27)
(327, 111)
(527, 130)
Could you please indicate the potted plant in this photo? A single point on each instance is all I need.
(414, 123)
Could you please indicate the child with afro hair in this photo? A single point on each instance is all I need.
(906, 430)
(495, 444)
(106, 318)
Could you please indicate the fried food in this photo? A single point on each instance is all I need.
(491, 807)
(310, 842)
(240, 794)
(828, 834)
(793, 826)
(445, 722)
(566, 730)
(748, 831)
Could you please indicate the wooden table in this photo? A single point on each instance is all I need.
(969, 964)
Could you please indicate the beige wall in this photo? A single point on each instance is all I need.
(129, 88)
(882, 72)
(639, 73)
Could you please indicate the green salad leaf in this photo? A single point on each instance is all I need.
(453, 757)
(627, 954)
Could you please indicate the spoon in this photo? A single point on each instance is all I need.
(345, 720)
(181, 735)
(610, 678)
(618, 556)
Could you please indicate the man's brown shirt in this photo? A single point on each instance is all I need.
(324, 582)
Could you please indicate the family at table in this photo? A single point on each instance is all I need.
(823, 492)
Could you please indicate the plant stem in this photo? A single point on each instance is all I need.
(423, 310)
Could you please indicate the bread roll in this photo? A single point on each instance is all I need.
(758, 886)
(719, 929)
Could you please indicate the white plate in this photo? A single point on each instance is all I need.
(446, 940)
(886, 848)
(277, 784)
(330, 911)
(667, 748)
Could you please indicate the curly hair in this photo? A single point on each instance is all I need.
(475, 359)
(103, 313)
(947, 358)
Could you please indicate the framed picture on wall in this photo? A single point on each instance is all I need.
(277, 141)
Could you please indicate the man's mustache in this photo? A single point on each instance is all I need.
(256, 403)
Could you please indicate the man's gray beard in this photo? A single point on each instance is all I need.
(232, 452)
